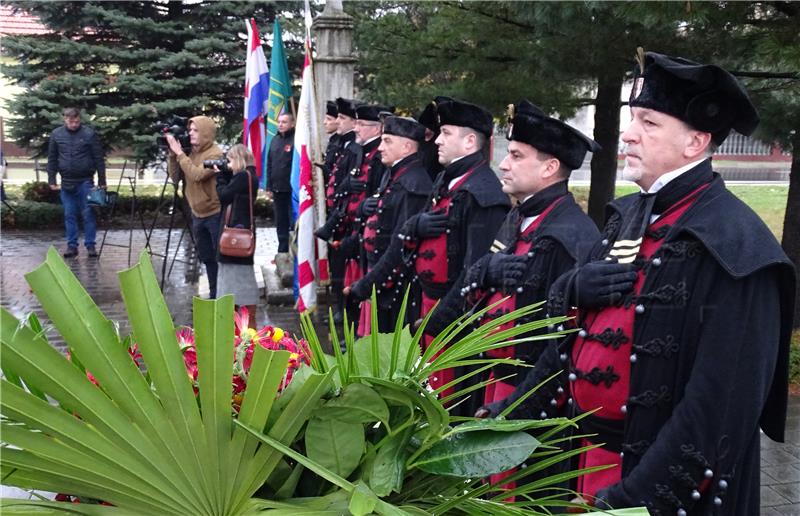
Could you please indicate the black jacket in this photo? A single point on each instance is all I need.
(478, 209)
(232, 190)
(562, 240)
(711, 346)
(279, 162)
(76, 155)
(400, 199)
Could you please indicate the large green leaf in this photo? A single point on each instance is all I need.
(362, 501)
(476, 454)
(334, 444)
(389, 466)
(357, 403)
(213, 326)
(385, 343)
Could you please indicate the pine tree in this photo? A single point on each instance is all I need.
(129, 64)
(560, 55)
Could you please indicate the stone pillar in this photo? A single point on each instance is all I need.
(334, 66)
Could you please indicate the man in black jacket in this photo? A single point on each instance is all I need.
(402, 193)
(685, 307)
(75, 152)
(544, 236)
(279, 173)
(466, 205)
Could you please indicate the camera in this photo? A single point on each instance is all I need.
(221, 164)
(177, 126)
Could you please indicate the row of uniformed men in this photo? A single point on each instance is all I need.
(684, 301)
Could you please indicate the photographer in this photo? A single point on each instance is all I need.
(75, 152)
(201, 192)
(236, 275)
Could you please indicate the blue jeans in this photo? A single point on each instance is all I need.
(206, 240)
(76, 204)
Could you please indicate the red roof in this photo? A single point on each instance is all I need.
(20, 22)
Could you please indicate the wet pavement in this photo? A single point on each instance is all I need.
(21, 252)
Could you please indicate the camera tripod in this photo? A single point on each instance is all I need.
(175, 204)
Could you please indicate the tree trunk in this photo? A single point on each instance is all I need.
(791, 220)
(606, 133)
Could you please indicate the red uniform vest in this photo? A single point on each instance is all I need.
(602, 357)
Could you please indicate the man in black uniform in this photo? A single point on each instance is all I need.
(362, 181)
(331, 124)
(402, 192)
(686, 310)
(343, 163)
(467, 204)
(545, 235)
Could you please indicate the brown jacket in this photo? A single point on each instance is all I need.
(201, 185)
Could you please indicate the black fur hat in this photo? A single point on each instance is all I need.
(528, 124)
(704, 96)
(405, 127)
(372, 112)
(463, 114)
(347, 107)
(427, 117)
(331, 109)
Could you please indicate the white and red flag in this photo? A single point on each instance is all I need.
(256, 95)
(312, 253)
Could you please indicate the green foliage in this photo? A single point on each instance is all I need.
(31, 215)
(39, 191)
(148, 449)
(794, 358)
(128, 64)
(369, 435)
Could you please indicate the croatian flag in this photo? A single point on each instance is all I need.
(256, 95)
(311, 258)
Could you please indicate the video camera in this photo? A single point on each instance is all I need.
(221, 163)
(177, 126)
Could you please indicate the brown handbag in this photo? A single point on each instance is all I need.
(239, 242)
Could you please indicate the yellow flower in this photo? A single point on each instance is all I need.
(278, 335)
(293, 356)
(252, 335)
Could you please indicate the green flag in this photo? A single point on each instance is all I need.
(280, 89)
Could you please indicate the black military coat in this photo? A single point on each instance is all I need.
(564, 238)
(364, 155)
(478, 209)
(332, 152)
(400, 199)
(709, 362)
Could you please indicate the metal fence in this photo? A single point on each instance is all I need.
(740, 145)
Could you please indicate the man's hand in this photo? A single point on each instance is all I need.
(431, 224)
(268, 195)
(346, 291)
(603, 283)
(369, 206)
(55, 187)
(355, 186)
(174, 145)
(504, 270)
(102, 187)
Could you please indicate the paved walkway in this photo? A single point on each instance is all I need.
(20, 252)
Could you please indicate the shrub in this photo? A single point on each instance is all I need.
(32, 215)
(40, 191)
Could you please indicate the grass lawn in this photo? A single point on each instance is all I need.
(768, 201)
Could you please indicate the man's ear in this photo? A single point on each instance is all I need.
(697, 143)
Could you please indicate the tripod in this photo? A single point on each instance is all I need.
(134, 209)
(176, 204)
